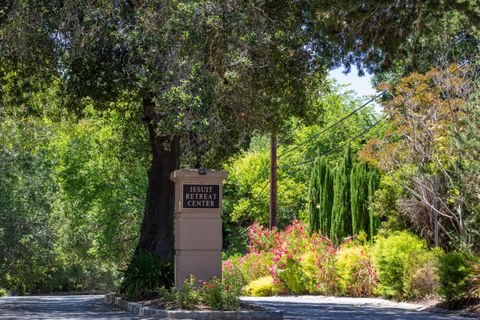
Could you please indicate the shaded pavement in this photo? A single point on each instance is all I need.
(337, 308)
(299, 307)
(59, 307)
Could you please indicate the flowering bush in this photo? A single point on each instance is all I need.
(188, 297)
(215, 293)
(254, 265)
(296, 260)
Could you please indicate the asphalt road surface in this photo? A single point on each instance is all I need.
(59, 307)
(307, 307)
(340, 308)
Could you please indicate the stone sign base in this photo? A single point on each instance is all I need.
(198, 224)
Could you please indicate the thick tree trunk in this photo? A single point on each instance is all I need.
(156, 233)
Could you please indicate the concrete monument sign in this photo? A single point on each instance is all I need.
(198, 224)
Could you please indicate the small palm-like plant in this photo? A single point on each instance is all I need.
(145, 275)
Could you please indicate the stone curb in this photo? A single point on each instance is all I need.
(141, 310)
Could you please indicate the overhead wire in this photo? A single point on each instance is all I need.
(337, 147)
(333, 125)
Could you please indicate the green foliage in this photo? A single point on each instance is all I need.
(398, 258)
(215, 294)
(385, 207)
(454, 270)
(145, 274)
(359, 198)
(69, 207)
(373, 184)
(352, 204)
(221, 295)
(341, 209)
(254, 265)
(188, 298)
(318, 268)
(261, 287)
(321, 197)
(399, 266)
(473, 290)
(233, 284)
(430, 155)
(212, 294)
(3, 292)
(246, 197)
(356, 271)
(27, 252)
(100, 171)
(468, 140)
(424, 280)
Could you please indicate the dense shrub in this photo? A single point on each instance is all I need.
(254, 265)
(301, 262)
(261, 287)
(455, 269)
(424, 280)
(398, 259)
(3, 292)
(296, 261)
(145, 275)
(473, 281)
(356, 272)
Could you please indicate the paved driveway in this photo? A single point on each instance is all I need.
(306, 307)
(59, 307)
(334, 308)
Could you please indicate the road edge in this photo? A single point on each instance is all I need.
(140, 310)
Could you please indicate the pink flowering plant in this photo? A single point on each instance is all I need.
(281, 255)
(216, 294)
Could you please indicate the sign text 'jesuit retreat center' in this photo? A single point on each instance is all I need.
(201, 196)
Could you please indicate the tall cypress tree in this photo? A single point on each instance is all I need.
(314, 198)
(359, 179)
(373, 183)
(320, 197)
(326, 200)
(339, 198)
(341, 210)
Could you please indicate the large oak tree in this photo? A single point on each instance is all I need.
(206, 72)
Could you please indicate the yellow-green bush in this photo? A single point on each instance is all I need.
(3, 292)
(309, 268)
(262, 287)
(401, 260)
(356, 274)
(318, 269)
(455, 269)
